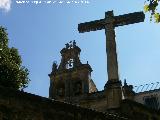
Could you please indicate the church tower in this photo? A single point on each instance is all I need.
(71, 78)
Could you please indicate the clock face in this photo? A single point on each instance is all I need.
(69, 64)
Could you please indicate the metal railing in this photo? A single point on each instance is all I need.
(147, 87)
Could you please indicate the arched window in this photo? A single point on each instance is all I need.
(60, 90)
(78, 88)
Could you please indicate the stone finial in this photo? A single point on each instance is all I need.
(74, 43)
(125, 83)
(71, 44)
(67, 46)
(54, 66)
(128, 91)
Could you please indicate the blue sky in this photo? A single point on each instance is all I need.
(40, 31)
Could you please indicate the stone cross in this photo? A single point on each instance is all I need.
(109, 23)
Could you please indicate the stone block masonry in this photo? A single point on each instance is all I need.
(18, 105)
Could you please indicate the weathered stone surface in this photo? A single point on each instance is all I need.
(137, 111)
(17, 105)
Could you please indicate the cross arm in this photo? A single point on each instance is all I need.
(120, 20)
(91, 26)
(130, 18)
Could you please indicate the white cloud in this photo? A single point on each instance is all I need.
(5, 4)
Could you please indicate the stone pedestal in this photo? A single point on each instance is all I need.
(113, 94)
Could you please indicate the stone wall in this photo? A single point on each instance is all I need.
(140, 97)
(17, 105)
(137, 111)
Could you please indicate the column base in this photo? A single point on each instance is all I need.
(113, 83)
(113, 93)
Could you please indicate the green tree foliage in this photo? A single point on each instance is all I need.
(151, 6)
(12, 73)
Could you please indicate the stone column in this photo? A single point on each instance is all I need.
(113, 86)
(112, 64)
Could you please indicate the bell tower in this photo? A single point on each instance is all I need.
(70, 56)
(71, 78)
